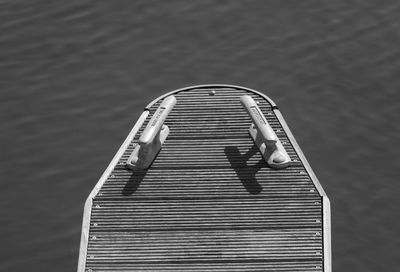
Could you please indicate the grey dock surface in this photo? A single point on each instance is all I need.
(209, 202)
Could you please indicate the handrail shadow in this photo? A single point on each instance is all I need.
(133, 182)
(246, 173)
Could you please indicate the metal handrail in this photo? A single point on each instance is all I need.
(153, 137)
(264, 136)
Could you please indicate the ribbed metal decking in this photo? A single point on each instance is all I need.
(209, 202)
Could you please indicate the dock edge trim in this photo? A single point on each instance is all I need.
(326, 208)
(326, 225)
(204, 86)
(89, 201)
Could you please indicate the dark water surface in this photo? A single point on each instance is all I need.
(75, 76)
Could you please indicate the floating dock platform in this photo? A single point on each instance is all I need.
(209, 179)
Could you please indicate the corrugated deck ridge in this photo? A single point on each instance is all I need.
(209, 202)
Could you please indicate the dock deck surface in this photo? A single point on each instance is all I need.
(209, 202)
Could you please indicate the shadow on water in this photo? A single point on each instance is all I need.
(134, 181)
(246, 173)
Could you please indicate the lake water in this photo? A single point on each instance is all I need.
(75, 76)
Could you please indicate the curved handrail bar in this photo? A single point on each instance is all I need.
(258, 118)
(156, 122)
(264, 136)
(153, 137)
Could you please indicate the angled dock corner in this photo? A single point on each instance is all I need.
(210, 178)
